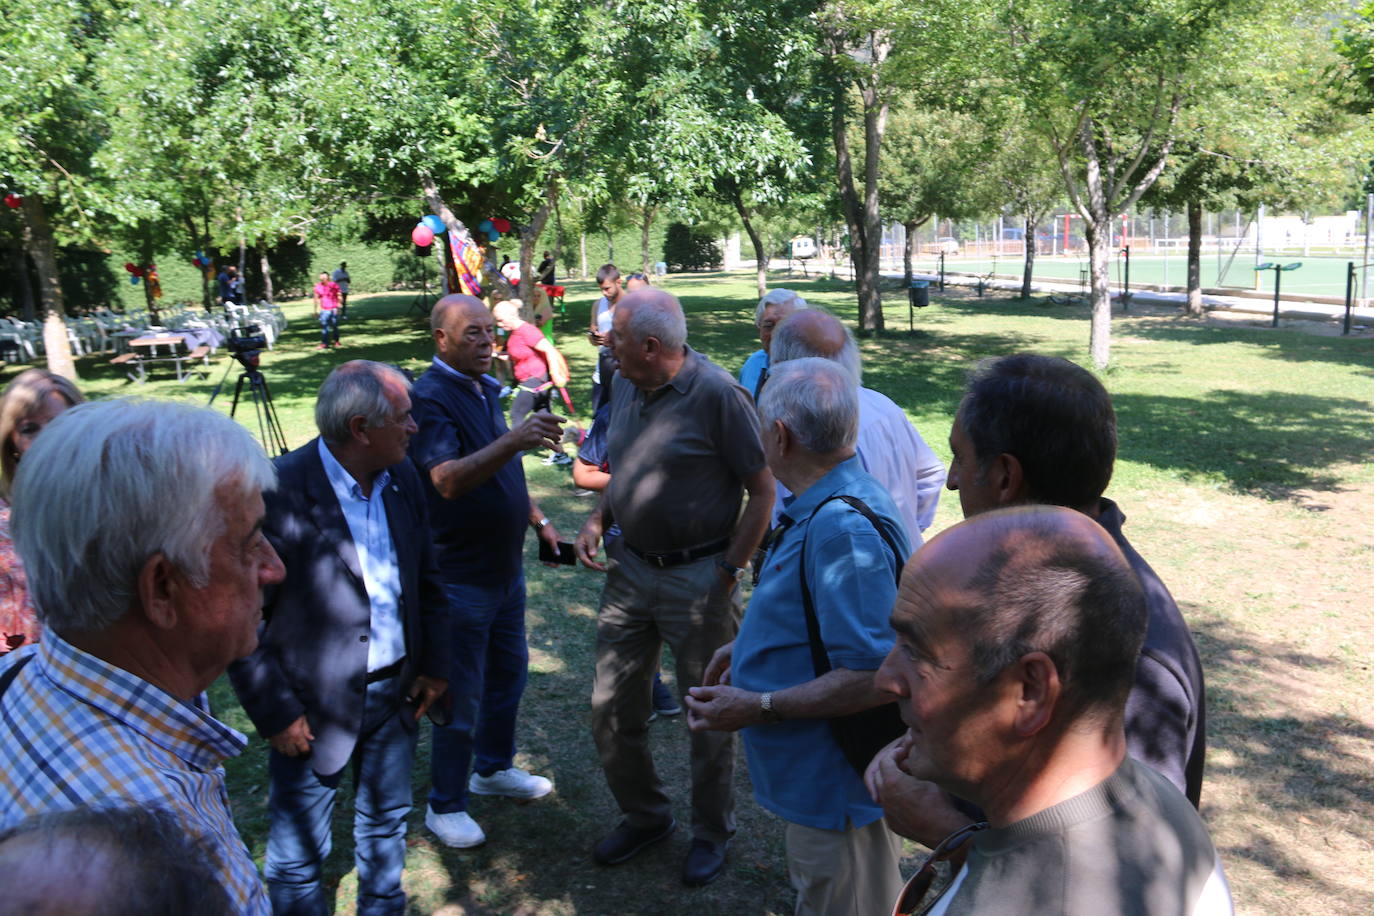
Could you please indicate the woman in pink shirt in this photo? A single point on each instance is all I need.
(327, 309)
(533, 360)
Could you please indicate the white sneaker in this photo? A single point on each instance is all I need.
(512, 783)
(456, 829)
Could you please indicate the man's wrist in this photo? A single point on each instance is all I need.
(540, 523)
(767, 711)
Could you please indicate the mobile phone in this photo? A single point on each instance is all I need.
(565, 556)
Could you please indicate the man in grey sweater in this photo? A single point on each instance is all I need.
(1017, 632)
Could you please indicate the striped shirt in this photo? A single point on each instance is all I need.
(75, 730)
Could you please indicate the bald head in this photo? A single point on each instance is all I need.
(653, 313)
(814, 332)
(463, 333)
(452, 306)
(1032, 579)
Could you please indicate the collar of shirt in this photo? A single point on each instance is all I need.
(345, 487)
(801, 505)
(184, 729)
(475, 383)
(682, 382)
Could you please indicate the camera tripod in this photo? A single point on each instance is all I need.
(269, 427)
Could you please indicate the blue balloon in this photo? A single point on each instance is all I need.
(485, 226)
(133, 281)
(494, 236)
(435, 224)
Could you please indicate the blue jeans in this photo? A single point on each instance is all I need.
(487, 679)
(329, 324)
(302, 804)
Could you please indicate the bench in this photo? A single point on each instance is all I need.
(185, 363)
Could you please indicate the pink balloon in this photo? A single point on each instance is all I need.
(421, 235)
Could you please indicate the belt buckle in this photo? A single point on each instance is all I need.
(657, 560)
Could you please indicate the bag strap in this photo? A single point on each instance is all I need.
(8, 677)
(820, 662)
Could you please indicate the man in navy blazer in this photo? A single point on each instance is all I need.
(353, 648)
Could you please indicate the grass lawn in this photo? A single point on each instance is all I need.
(1245, 473)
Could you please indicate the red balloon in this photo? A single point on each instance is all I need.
(13, 201)
(129, 266)
(500, 224)
(137, 271)
(422, 235)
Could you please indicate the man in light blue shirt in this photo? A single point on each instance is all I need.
(841, 857)
(354, 647)
(776, 305)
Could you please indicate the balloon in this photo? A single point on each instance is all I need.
(500, 224)
(494, 236)
(485, 226)
(13, 201)
(421, 235)
(129, 266)
(133, 281)
(435, 224)
(137, 271)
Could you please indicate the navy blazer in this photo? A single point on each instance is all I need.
(311, 658)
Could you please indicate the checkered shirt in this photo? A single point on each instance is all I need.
(75, 730)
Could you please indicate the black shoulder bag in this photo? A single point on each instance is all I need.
(860, 734)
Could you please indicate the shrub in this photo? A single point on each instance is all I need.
(687, 249)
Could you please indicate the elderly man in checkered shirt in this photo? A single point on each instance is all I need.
(140, 528)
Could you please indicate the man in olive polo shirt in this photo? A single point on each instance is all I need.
(684, 443)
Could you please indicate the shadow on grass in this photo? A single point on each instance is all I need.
(1296, 773)
(1272, 443)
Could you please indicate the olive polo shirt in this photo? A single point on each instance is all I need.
(680, 455)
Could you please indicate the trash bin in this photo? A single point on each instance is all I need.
(919, 293)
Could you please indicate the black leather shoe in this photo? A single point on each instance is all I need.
(705, 862)
(625, 842)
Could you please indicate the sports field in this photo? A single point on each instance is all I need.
(1318, 276)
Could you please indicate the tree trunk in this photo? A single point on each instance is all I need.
(582, 245)
(760, 255)
(1195, 258)
(38, 241)
(19, 269)
(875, 125)
(644, 227)
(909, 249)
(849, 198)
(529, 238)
(1029, 243)
(1099, 233)
(610, 246)
(430, 190)
(266, 267)
(243, 249)
(557, 236)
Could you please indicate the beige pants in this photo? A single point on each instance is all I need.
(849, 872)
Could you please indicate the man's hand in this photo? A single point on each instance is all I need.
(722, 709)
(424, 692)
(718, 668)
(587, 542)
(913, 808)
(294, 740)
(537, 430)
(549, 535)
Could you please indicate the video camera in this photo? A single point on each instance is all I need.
(246, 345)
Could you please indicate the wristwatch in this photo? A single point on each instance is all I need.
(541, 524)
(735, 572)
(766, 707)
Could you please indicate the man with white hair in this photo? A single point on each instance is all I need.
(889, 447)
(684, 445)
(776, 305)
(140, 528)
(838, 549)
(355, 647)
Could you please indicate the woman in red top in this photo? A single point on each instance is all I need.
(29, 403)
(327, 309)
(534, 361)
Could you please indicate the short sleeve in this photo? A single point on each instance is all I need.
(738, 441)
(437, 439)
(853, 579)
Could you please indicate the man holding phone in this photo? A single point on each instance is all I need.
(479, 510)
(353, 649)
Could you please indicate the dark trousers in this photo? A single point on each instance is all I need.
(329, 324)
(487, 679)
(524, 399)
(301, 804)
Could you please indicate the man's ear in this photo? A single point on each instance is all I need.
(1037, 693)
(783, 436)
(357, 429)
(158, 588)
(652, 347)
(1005, 476)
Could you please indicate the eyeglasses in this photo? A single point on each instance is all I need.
(914, 893)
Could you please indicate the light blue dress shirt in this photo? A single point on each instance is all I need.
(366, 519)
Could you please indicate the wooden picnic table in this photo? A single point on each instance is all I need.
(144, 351)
